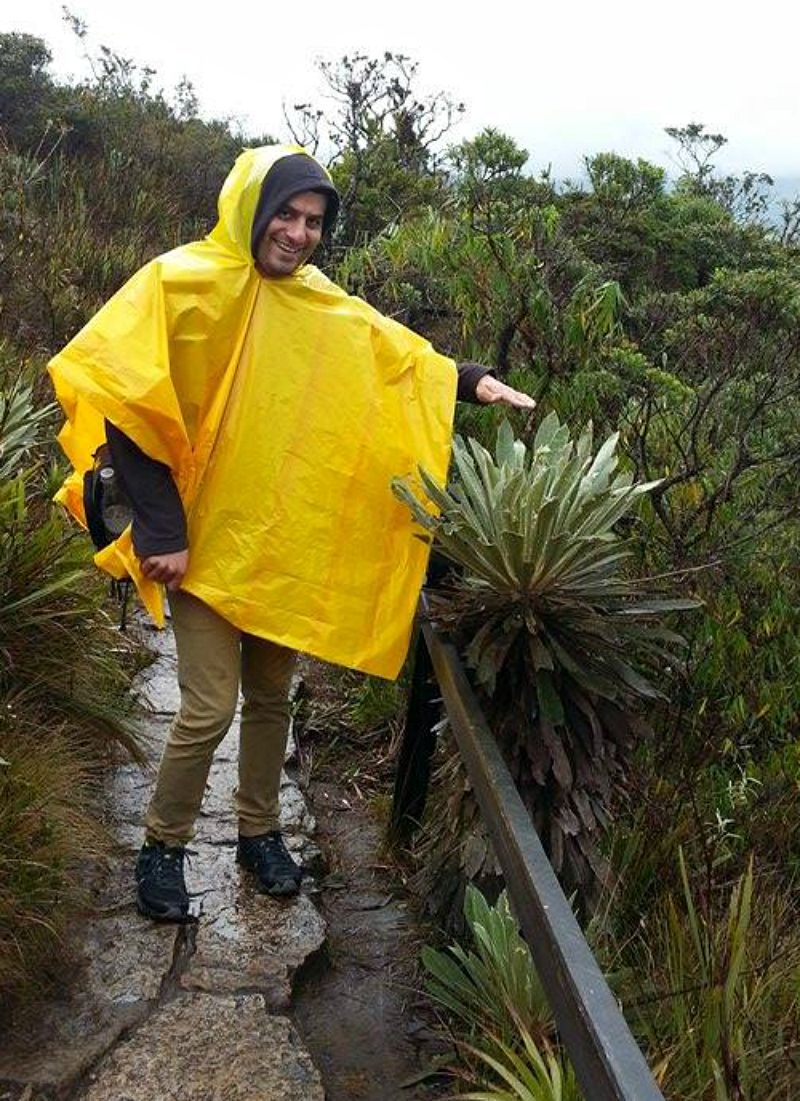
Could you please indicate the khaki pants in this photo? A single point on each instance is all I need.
(213, 657)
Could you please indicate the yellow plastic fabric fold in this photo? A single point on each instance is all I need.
(283, 407)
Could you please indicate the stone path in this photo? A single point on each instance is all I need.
(190, 1013)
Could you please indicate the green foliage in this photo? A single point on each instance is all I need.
(101, 177)
(20, 424)
(64, 705)
(696, 151)
(622, 186)
(497, 1009)
(492, 276)
(707, 981)
(58, 650)
(379, 137)
(491, 184)
(559, 638)
(27, 93)
(746, 197)
(530, 1076)
(374, 703)
(495, 988)
(722, 437)
(58, 647)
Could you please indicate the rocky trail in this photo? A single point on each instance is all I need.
(204, 1012)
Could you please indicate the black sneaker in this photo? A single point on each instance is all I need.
(268, 857)
(161, 888)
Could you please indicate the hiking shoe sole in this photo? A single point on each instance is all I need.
(172, 916)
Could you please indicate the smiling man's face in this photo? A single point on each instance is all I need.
(292, 235)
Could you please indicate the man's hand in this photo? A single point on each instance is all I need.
(491, 390)
(167, 568)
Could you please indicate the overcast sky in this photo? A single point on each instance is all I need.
(563, 79)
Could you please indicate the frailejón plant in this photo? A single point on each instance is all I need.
(562, 641)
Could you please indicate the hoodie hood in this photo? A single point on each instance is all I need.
(289, 176)
(260, 182)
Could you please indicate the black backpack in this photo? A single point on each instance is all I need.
(108, 512)
(105, 502)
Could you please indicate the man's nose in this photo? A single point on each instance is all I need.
(296, 230)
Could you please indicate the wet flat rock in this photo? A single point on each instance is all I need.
(125, 962)
(157, 685)
(246, 940)
(206, 1048)
(158, 689)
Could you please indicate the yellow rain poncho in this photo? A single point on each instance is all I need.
(283, 407)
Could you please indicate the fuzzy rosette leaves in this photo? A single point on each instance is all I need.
(564, 644)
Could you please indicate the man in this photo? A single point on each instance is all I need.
(256, 415)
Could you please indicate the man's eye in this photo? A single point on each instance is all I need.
(314, 223)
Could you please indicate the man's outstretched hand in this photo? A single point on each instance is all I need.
(169, 569)
(491, 390)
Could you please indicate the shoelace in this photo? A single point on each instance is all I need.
(172, 860)
(274, 850)
(284, 859)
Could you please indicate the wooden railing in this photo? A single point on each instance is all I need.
(608, 1063)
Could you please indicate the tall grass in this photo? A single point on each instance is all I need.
(709, 985)
(712, 986)
(58, 645)
(64, 706)
(46, 828)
